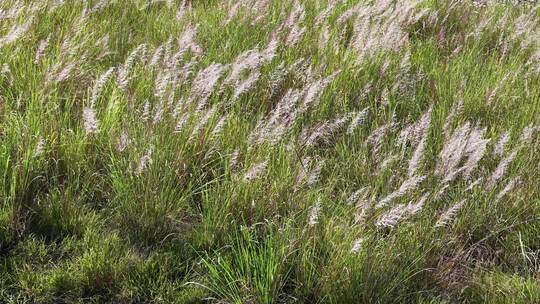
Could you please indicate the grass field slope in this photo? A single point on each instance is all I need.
(269, 151)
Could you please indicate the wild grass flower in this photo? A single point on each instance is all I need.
(99, 85)
(204, 83)
(67, 71)
(474, 184)
(157, 56)
(324, 37)
(498, 150)
(322, 131)
(387, 162)
(183, 8)
(146, 111)
(375, 139)
(448, 216)
(91, 123)
(527, 134)
(475, 149)
(357, 120)
(245, 85)
(500, 170)
(415, 161)
(233, 162)
(255, 171)
(393, 217)
(363, 205)
(509, 187)
(218, 128)
(187, 42)
(16, 32)
(314, 213)
(41, 48)
(452, 153)
(161, 84)
(124, 72)
(314, 174)
(322, 17)
(295, 35)
(401, 212)
(123, 141)
(158, 114)
(357, 246)
(202, 123)
(146, 160)
(457, 109)
(358, 195)
(421, 130)
(407, 186)
(270, 51)
(249, 60)
(314, 91)
(40, 147)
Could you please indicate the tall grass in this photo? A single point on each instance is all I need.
(269, 151)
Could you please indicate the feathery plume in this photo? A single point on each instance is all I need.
(501, 169)
(40, 147)
(324, 36)
(393, 217)
(91, 124)
(448, 216)
(453, 150)
(16, 32)
(204, 83)
(315, 89)
(99, 84)
(357, 120)
(322, 131)
(498, 150)
(313, 175)
(357, 245)
(245, 85)
(401, 212)
(422, 129)
(375, 139)
(255, 171)
(456, 110)
(187, 42)
(527, 134)
(40, 51)
(146, 111)
(323, 16)
(407, 186)
(146, 160)
(314, 213)
(202, 123)
(218, 128)
(234, 158)
(249, 60)
(123, 141)
(475, 149)
(67, 71)
(124, 72)
(181, 122)
(509, 187)
(358, 195)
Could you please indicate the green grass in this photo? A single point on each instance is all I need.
(180, 195)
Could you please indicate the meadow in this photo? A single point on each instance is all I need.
(269, 151)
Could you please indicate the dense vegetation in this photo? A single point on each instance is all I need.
(253, 151)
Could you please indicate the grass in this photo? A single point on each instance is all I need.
(269, 152)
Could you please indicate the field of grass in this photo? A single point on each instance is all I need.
(269, 151)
